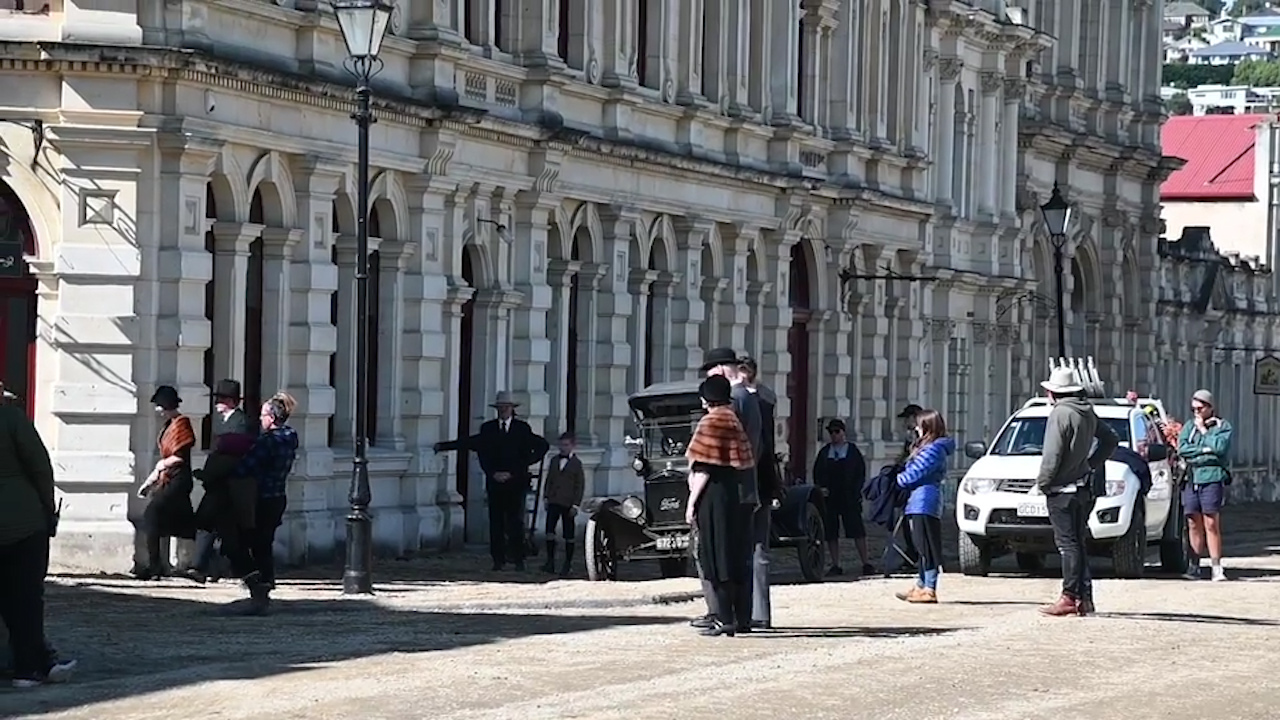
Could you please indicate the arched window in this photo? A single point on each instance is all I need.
(254, 301)
(210, 297)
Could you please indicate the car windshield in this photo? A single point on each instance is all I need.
(1025, 436)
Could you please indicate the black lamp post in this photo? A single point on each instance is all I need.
(1057, 213)
(364, 25)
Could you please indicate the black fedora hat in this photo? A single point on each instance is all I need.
(716, 390)
(227, 389)
(910, 411)
(719, 356)
(166, 397)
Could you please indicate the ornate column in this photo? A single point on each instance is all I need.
(774, 356)
(278, 246)
(617, 47)
(392, 329)
(640, 286)
(939, 337)
(783, 67)
(613, 350)
(344, 360)
(923, 119)
(948, 75)
(989, 119)
(714, 291)
(688, 311)
(727, 49)
(590, 278)
(435, 20)
(536, 26)
(452, 342)
(736, 307)
(560, 277)
(530, 347)
(986, 356)
(760, 55)
(873, 329)
(231, 276)
(1014, 90)
(816, 23)
(1004, 397)
(688, 68)
(660, 48)
(845, 109)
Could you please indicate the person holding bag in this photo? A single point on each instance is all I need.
(28, 519)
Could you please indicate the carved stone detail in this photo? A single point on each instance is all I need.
(949, 69)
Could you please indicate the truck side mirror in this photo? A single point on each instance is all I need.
(975, 450)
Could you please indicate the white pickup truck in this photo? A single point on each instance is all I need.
(998, 515)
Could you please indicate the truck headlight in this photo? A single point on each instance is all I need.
(632, 508)
(978, 486)
(1116, 487)
(638, 464)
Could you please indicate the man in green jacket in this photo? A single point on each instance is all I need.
(1205, 446)
(28, 518)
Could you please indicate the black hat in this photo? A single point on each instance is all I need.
(835, 424)
(227, 389)
(166, 397)
(719, 356)
(910, 411)
(716, 390)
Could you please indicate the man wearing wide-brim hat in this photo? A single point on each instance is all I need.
(505, 446)
(1066, 471)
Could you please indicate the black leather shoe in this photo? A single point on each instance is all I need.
(761, 625)
(868, 570)
(718, 628)
(704, 622)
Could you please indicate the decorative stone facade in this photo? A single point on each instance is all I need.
(572, 199)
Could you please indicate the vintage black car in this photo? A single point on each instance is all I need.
(651, 525)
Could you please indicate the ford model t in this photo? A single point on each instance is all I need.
(651, 525)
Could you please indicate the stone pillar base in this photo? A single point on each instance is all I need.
(93, 547)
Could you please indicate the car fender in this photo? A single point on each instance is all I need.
(624, 532)
(788, 520)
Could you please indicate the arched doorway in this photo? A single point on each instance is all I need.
(798, 349)
(466, 378)
(17, 300)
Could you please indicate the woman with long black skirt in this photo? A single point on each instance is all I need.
(717, 453)
(168, 488)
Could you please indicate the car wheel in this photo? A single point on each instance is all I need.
(602, 561)
(975, 555)
(673, 567)
(1129, 553)
(813, 550)
(1173, 541)
(1030, 562)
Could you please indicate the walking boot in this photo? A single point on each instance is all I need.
(909, 595)
(1086, 607)
(549, 567)
(925, 596)
(567, 565)
(258, 602)
(1064, 607)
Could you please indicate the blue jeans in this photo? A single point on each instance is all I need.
(926, 531)
(206, 552)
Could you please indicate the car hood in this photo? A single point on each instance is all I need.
(1024, 467)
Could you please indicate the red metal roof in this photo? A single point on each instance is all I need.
(1219, 154)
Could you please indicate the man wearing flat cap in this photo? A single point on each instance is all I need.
(505, 446)
(746, 404)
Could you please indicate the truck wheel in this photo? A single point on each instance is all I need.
(1129, 553)
(602, 562)
(1030, 562)
(975, 555)
(673, 567)
(813, 549)
(1173, 541)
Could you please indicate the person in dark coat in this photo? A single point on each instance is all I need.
(228, 508)
(28, 519)
(841, 470)
(718, 452)
(565, 486)
(892, 561)
(228, 419)
(769, 490)
(168, 488)
(505, 446)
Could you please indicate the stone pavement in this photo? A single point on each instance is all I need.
(493, 649)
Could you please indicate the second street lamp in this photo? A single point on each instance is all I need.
(364, 25)
(1057, 213)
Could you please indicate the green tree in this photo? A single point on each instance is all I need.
(1257, 73)
(1178, 104)
(1184, 75)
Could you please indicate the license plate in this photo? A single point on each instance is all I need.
(1033, 510)
(672, 542)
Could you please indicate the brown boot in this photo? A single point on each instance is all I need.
(908, 595)
(1065, 606)
(1086, 607)
(925, 596)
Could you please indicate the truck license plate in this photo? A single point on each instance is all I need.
(673, 542)
(1033, 510)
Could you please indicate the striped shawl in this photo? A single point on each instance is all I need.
(720, 440)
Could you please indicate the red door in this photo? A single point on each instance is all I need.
(17, 301)
(798, 392)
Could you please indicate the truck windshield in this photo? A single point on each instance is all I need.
(1025, 436)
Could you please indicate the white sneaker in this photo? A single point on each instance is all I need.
(61, 671)
(1219, 574)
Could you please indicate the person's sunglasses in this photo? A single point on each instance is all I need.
(1198, 407)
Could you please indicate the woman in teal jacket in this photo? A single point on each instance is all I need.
(1205, 446)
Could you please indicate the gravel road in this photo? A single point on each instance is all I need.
(494, 650)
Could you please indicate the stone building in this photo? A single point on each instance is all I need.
(571, 199)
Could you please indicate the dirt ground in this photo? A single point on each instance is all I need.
(499, 647)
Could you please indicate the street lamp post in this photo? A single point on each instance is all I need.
(363, 24)
(1057, 213)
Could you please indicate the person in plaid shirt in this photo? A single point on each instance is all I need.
(269, 463)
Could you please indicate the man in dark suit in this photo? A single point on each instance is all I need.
(505, 446)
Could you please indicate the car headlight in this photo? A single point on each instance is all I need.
(1116, 487)
(632, 508)
(638, 464)
(977, 486)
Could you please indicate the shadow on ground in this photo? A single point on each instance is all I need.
(129, 644)
(882, 633)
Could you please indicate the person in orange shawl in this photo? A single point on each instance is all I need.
(168, 487)
(718, 453)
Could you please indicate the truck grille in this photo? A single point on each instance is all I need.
(666, 497)
(1017, 486)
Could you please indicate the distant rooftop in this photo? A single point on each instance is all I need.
(1219, 153)
(1183, 9)
(1229, 49)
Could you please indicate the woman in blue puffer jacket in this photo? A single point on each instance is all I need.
(923, 475)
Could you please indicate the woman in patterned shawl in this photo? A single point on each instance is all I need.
(717, 453)
(168, 487)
